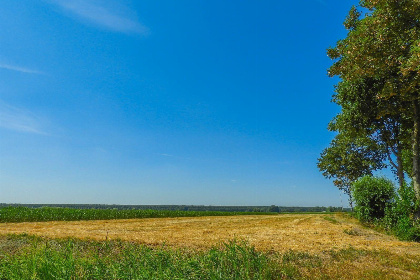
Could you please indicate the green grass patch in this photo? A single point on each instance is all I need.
(331, 219)
(29, 257)
(37, 258)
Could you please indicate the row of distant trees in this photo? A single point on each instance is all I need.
(272, 208)
(378, 64)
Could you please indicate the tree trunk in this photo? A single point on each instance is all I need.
(400, 167)
(351, 202)
(416, 150)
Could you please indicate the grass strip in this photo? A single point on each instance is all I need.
(29, 257)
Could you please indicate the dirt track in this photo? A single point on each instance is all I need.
(303, 232)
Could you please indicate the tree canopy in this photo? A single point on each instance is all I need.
(379, 92)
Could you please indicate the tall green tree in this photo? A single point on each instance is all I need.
(365, 116)
(383, 44)
(347, 159)
(367, 136)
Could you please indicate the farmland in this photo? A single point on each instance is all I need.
(26, 214)
(285, 246)
(302, 232)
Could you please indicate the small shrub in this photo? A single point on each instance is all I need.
(403, 205)
(399, 215)
(372, 196)
(407, 229)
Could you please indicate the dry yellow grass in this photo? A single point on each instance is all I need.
(372, 255)
(313, 233)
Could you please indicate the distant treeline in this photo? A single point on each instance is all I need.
(272, 208)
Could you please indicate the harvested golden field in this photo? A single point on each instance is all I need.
(312, 233)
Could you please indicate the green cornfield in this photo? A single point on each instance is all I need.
(44, 214)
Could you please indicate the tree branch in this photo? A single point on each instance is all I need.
(389, 158)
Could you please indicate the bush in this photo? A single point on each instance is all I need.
(403, 206)
(372, 196)
(407, 228)
(399, 215)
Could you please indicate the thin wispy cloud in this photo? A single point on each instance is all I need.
(166, 155)
(101, 14)
(18, 119)
(172, 156)
(20, 69)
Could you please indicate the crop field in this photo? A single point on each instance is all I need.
(26, 214)
(302, 232)
(285, 246)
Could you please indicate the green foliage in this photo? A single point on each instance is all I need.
(403, 205)
(372, 196)
(25, 214)
(399, 215)
(182, 208)
(348, 158)
(378, 64)
(377, 202)
(28, 257)
(75, 259)
(407, 228)
(352, 19)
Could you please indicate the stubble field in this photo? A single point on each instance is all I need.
(302, 246)
(312, 233)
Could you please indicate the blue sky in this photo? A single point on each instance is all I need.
(167, 102)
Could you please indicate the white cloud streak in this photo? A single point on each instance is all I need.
(172, 156)
(100, 15)
(17, 119)
(20, 69)
(166, 155)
